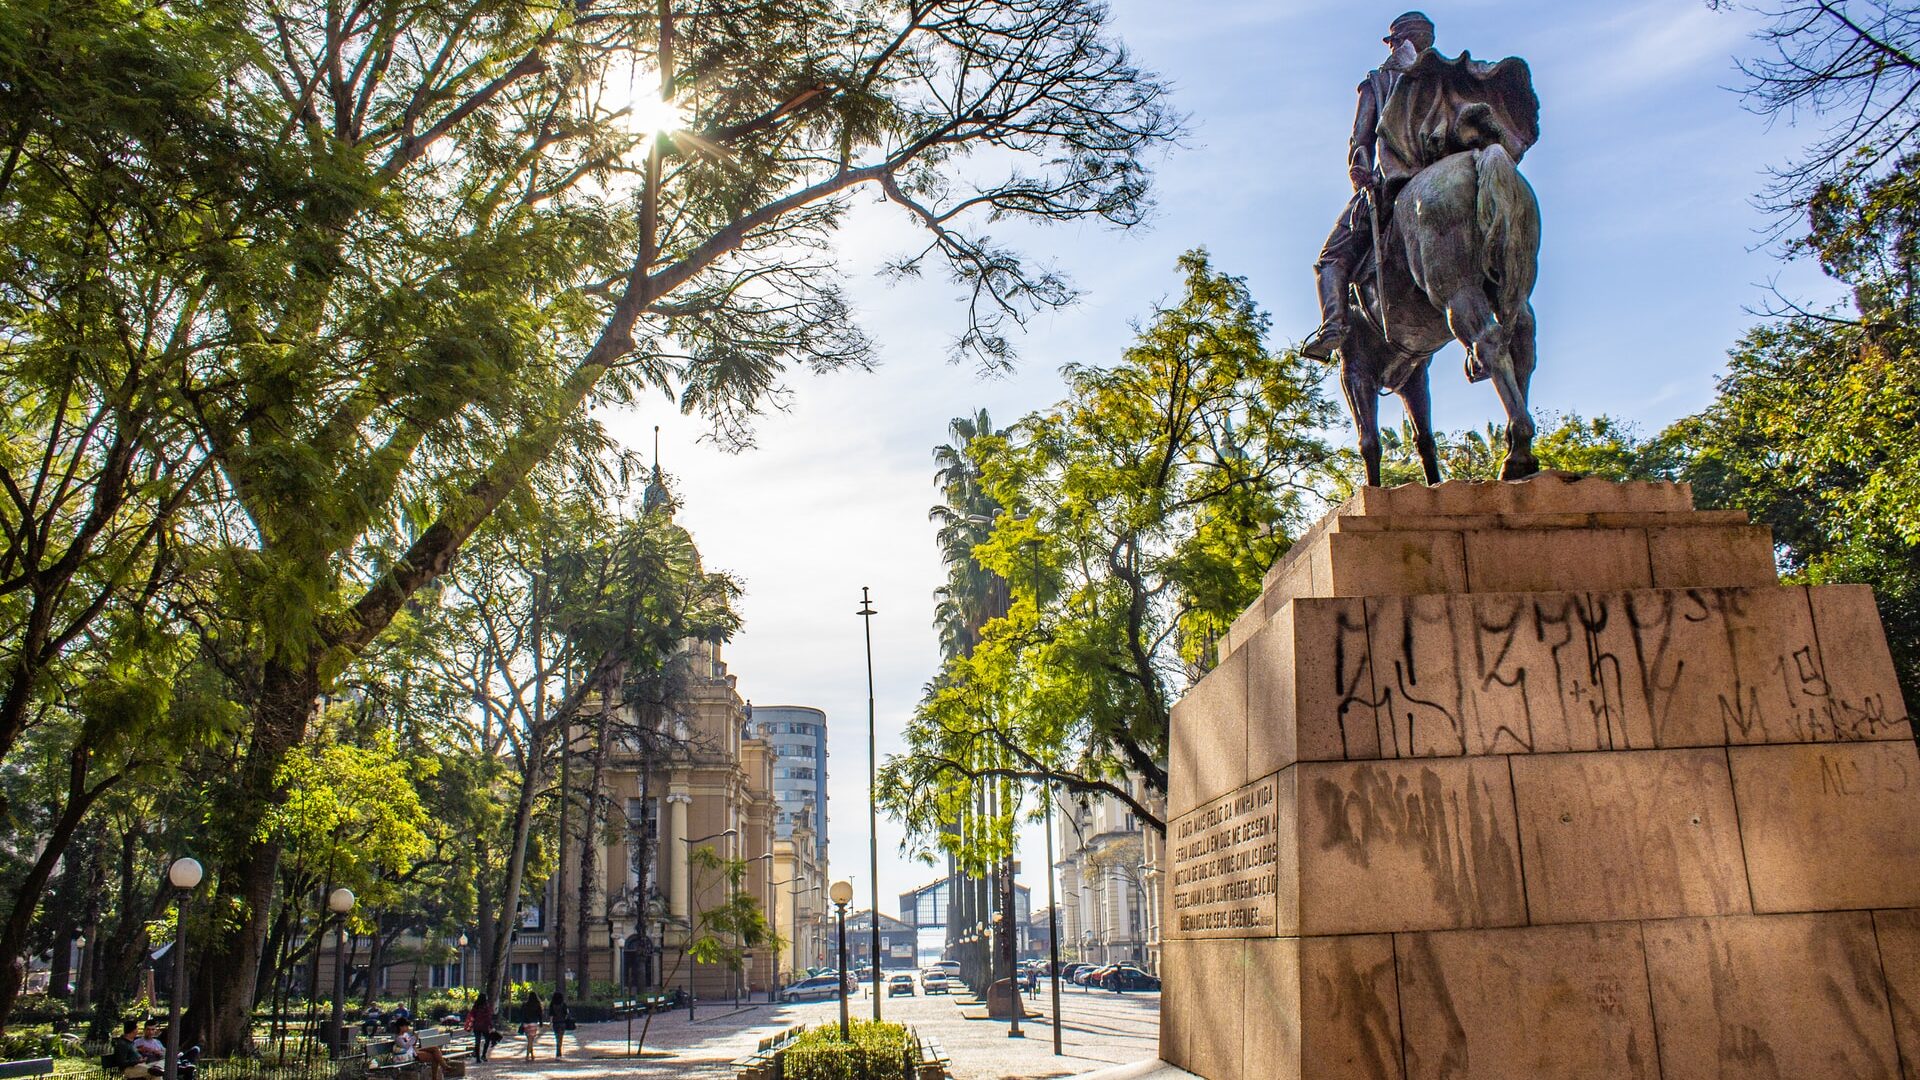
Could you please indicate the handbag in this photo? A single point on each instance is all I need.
(570, 1024)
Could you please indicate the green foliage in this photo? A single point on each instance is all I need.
(1603, 447)
(874, 1050)
(1140, 516)
(293, 299)
(356, 811)
(724, 933)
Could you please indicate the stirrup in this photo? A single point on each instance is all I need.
(1325, 340)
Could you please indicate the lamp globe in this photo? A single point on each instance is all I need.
(340, 901)
(185, 873)
(842, 892)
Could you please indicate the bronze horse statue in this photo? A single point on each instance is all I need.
(1457, 255)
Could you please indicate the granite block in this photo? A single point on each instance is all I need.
(1419, 664)
(1633, 834)
(1551, 672)
(1322, 1009)
(1592, 560)
(1310, 687)
(1207, 737)
(1716, 665)
(1897, 935)
(1400, 845)
(1211, 1040)
(1712, 556)
(1395, 563)
(1830, 825)
(1568, 1002)
(1543, 493)
(1863, 695)
(1233, 862)
(1784, 996)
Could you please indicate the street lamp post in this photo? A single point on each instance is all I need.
(1053, 924)
(340, 902)
(184, 875)
(463, 968)
(842, 893)
(690, 905)
(773, 946)
(866, 614)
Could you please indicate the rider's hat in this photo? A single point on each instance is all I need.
(1407, 23)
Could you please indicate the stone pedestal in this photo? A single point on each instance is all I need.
(1543, 779)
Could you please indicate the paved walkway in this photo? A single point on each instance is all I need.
(1098, 1029)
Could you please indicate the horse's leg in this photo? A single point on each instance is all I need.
(1489, 345)
(1362, 387)
(1512, 382)
(1420, 410)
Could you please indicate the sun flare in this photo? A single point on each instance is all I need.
(647, 114)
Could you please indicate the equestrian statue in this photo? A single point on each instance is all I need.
(1439, 243)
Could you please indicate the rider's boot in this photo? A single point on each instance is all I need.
(1331, 279)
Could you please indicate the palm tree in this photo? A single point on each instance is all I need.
(973, 595)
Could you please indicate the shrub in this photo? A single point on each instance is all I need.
(875, 1051)
(40, 1009)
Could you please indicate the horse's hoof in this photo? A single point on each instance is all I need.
(1518, 470)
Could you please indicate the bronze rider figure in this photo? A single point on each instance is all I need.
(1407, 37)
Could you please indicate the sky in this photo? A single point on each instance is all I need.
(1654, 257)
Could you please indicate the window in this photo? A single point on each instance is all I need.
(443, 976)
(527, 972)
(531, 916)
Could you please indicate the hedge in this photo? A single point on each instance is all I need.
(877, 1051)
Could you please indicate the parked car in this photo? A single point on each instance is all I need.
(815, 987)
(1126, 977)
(1084, 976)
(949, 968)
(901, 983)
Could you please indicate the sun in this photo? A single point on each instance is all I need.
(647, 114)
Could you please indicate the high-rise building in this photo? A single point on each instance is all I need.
(797, 737)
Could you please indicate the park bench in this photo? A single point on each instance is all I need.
(14, 1070)
(932, 1062)
(382, 1049)
(763, 1063)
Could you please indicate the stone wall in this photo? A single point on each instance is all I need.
(1548, 778)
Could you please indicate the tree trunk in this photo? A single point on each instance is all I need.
(556, 920)
(90, 924)
(223, 992)
(119, 960)
(589, 850)
(516, 869)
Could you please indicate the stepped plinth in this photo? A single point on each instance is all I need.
(1543, 779)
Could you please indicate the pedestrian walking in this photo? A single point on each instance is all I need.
(530, 1013)
(480, 1022)
(562, 1020)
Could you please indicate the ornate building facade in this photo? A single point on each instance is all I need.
(1109, 864)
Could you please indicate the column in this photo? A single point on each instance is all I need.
(675, 864)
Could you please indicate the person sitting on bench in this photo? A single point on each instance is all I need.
(406, 1047)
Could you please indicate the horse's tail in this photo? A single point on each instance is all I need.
(1508, 235)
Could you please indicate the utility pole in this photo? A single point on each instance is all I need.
(866, 614)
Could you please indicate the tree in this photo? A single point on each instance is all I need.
(722, 934)
(1142, 513)
(1854, 63)
(423, 242)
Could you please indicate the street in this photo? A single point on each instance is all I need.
(1099, 1029)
